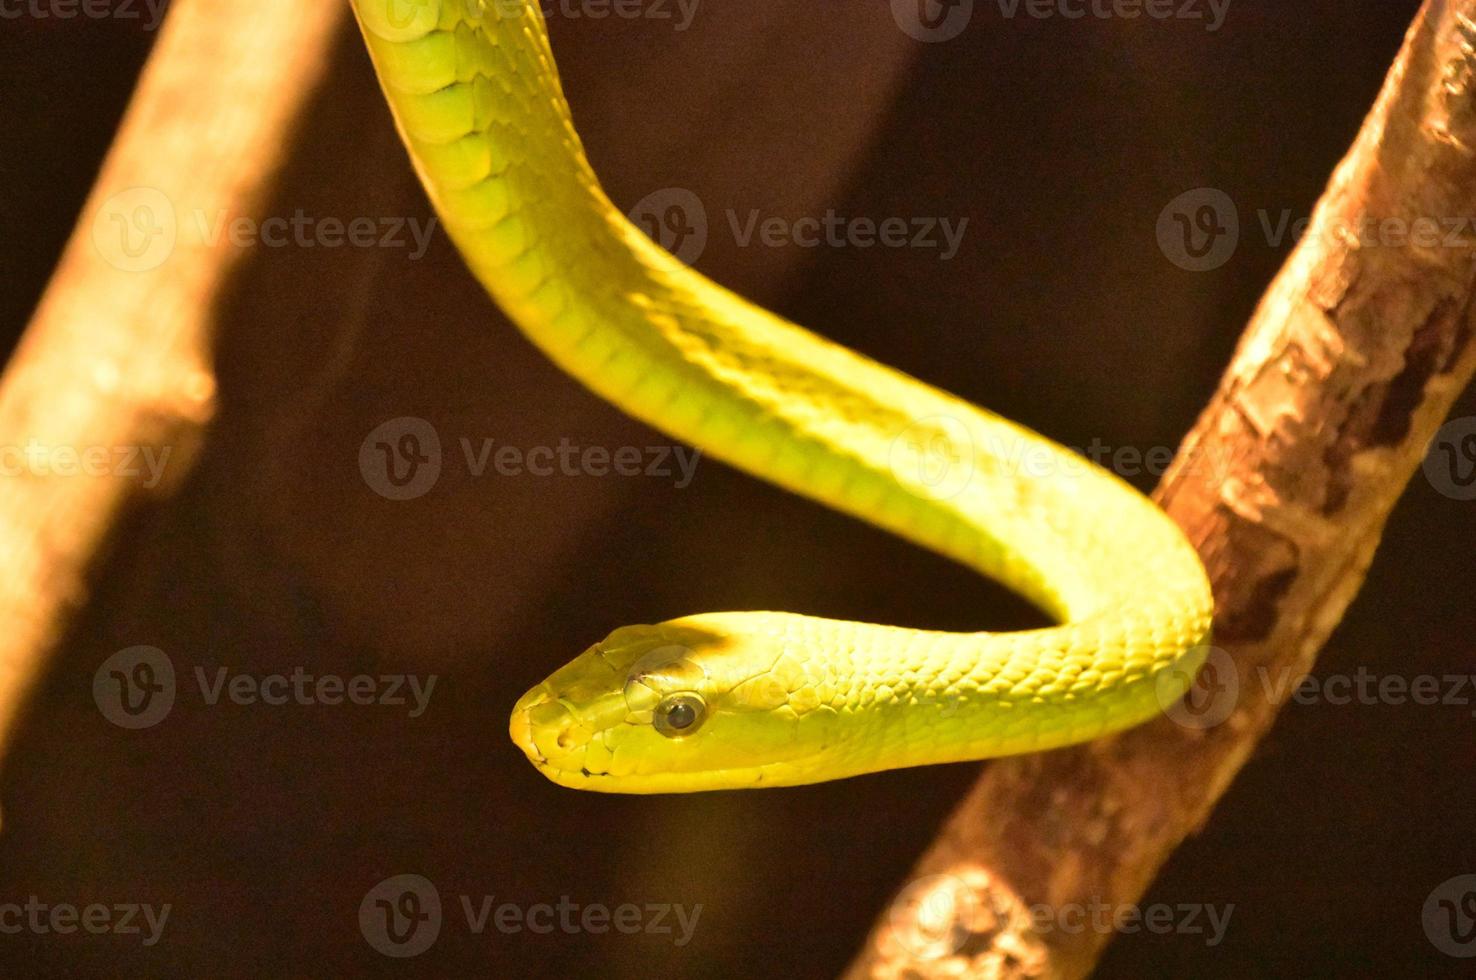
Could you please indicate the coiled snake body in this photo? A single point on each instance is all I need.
(743, 699)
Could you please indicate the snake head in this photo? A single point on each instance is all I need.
(694, 704)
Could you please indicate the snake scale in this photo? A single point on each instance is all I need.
(746, 699)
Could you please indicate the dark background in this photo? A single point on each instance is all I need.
(1061, 142)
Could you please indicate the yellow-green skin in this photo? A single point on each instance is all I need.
(789, 699)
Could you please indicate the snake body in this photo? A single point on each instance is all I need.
(745, 699)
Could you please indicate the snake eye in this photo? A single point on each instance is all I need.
(679, 715)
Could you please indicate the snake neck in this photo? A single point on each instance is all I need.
(687, 356)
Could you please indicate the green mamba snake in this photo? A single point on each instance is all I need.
(746, 699)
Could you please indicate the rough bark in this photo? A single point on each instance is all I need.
(111, 386)
(1340, 383)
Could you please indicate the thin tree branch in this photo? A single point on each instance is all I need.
(111, 386)
(1340, 383)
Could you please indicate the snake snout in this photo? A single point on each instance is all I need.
(544, 727)
(520, 726)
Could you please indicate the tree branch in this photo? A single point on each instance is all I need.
(1340, 383)
(115, 363)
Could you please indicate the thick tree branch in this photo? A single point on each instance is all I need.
(111, 385)
(1347, 369)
